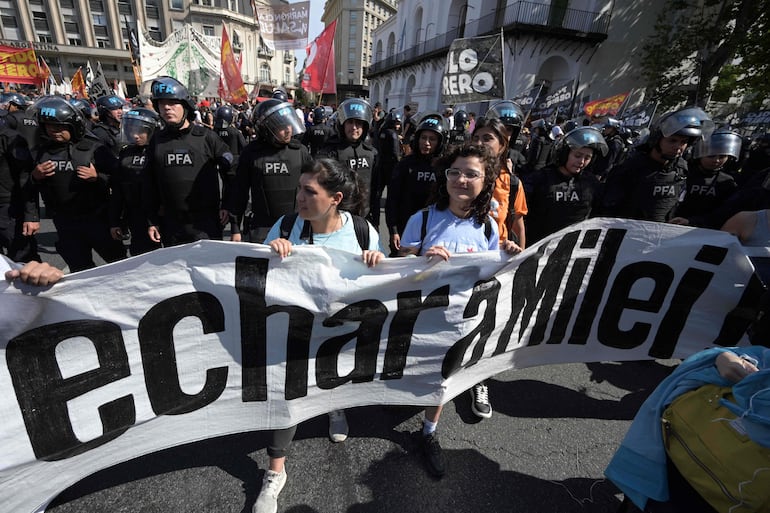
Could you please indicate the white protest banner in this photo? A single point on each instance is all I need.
(99, 86)
(473, 70)
(284, 26)
(213, 338)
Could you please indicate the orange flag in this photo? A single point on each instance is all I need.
(230, 81)
(79, 84)
(605, 106)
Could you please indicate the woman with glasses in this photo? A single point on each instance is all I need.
(457, 221)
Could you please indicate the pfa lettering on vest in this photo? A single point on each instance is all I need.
(664, 190)
(63, 165)
(178, 159)
(358, 163)
(566, 196)
(276, 168)
(137, 160)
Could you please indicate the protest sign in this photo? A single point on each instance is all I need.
(555, 102)
(214, 338)
(284, 26)
(473, 70)
(18, 65)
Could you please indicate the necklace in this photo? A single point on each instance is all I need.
(309, 229)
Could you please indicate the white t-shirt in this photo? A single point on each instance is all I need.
(458, 235)
(344, 238)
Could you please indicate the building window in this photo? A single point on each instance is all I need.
(96, 5)
(103, 43)
(264, 73)
(177, 5)
(75, 41)
(40, 21)
(100, 31)
(44, 38)
(208, 30)
(99, 19)
(9, 21)
(287, 75)
(155, 33)
(67, 4)
(124, 7)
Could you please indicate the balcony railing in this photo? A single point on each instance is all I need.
(519, 17)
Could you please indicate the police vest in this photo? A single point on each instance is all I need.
(273, 175)
(108, 135)
(185, 169)
(656, 194)
(133, 163)
(64, 192)
(317, 137)
(359, 157)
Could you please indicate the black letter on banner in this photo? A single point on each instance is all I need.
(488, 291)
(250, 284)
(609, 332)
(402, 327)
(527, 295)
(694, 282)
(371, 314)
(740, 318)
(43, 392)
(156, 340)
(597, 283)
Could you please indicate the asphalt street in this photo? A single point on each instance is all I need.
(553, 431)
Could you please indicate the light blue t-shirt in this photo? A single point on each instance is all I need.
(343, 239)
(458, 235)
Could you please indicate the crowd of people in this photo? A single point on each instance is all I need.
(121, 179)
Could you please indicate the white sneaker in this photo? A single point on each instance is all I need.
(338, 426)
(272, 484)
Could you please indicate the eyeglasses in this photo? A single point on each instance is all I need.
(470, 175)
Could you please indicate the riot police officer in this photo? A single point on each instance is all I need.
(459, 135)
(127, 219)
(110, 110)
(186, 162)
(19, 216)
(648, 184)
(708, 186)
(85, 109)
(318, 134)
(563, 193)
(413, 178)
(72, 173)
(349, 147)
(602, 166)
(512, 117)
(268, 169)
(224, 126)
(20, 119)
(541, 146)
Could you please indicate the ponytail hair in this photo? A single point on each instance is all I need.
(334, 178)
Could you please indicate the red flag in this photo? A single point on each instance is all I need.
(79, 84)
(45, 71)
(18, 65)
(320, 60)
(605, 106)
(230, 82)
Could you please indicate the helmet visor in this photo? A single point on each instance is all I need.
(282, 117)
(586, 137)
(720, 143)
(682, 120)
(135, 130)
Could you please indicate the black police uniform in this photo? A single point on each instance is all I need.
(409, 190)
(183, 179)
(17, 202)
(25, 124)
(602, 165)
(556, 201)
(126, 207)
(269, 174)
(643, 188)
(316, 138)
(540, 152)
(79, 207)
(457, 139)
(360, 157)
(233, 139)
(108, 135)
(705, 191)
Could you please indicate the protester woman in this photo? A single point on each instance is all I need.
(457, 222)
(509, 204)
(330, 198)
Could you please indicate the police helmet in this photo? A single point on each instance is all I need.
(138, 121)
(434, 125)
(319, 115)
(106, 104)
(690, 122)
(393, 118)
(273, 115)
(83, 106)
(570, 125)
(422, 116)
(281, 94)
(223, 117)
(611, 123)
(543, 127)
(55, 110)
(355, 108)
(582, 137)
(169, 88)
(510, 113)
(461, 119)
(721, 142)
(15, 99)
